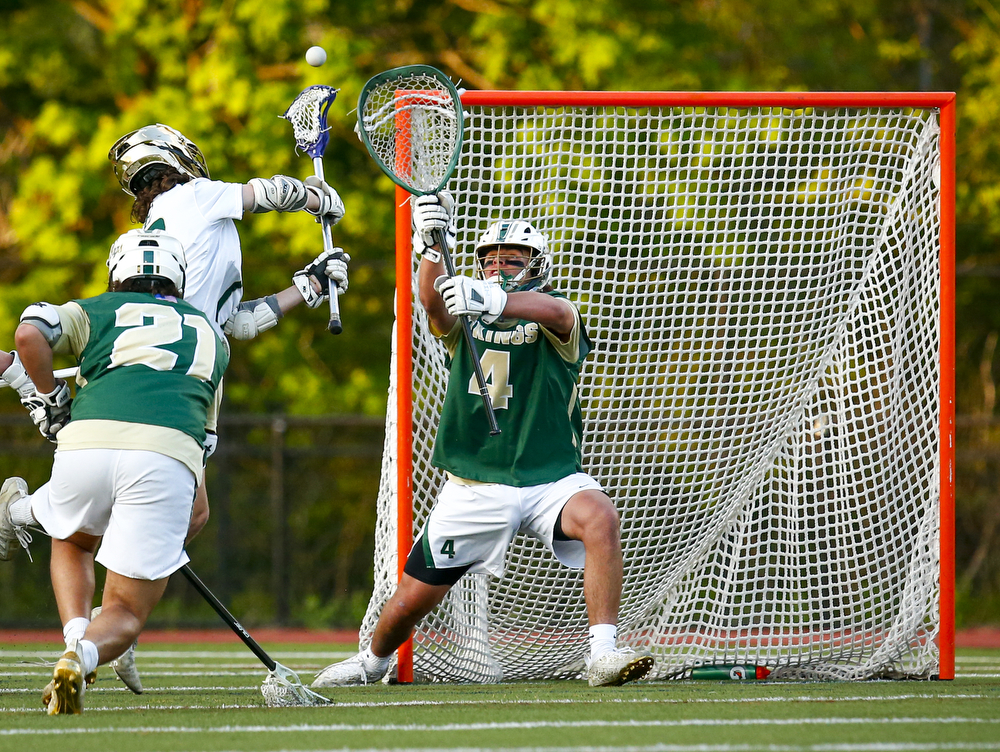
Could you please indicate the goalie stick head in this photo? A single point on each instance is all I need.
(537, 272)
(142, 254)
(151, 145)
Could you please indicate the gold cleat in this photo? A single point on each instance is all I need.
(64, 694)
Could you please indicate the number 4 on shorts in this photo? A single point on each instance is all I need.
(449, 548)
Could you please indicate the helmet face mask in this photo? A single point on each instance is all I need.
(531, 269)
(141, 254)
(155, 144)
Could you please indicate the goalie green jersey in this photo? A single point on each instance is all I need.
(532, 378)
(144, 360)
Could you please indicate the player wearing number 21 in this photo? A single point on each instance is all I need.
(128, 462)
(527, 479)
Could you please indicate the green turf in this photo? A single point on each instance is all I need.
(206, 697)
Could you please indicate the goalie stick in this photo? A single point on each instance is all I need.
(411, 121)
(307, 114)
(282, 687)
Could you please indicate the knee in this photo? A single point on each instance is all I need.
(595, 522)
(605, 526)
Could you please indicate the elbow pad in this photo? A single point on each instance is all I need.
(45, 318)
(279, 193)
(253, 317)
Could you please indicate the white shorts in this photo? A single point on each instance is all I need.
(139, 501)
(474, 524)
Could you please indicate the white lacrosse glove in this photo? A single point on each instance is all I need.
(50, 412)
(253, 317)
(428, 214)
(17, 378)
(329, 266)
(330, 203)
(211, 443)
(465, 296)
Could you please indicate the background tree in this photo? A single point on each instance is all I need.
(74, 76)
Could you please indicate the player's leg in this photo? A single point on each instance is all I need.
(411, 602)
(71, 569)
(125, 607)
(591, 518)
(564, 515)
(470, 526)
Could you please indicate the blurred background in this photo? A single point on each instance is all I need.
(293, 485)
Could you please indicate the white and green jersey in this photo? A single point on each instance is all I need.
(150, 368)
(200, 214)
(532, 379)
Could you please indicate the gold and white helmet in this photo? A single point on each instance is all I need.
(537, 273)
(148, 254)
(155, 144)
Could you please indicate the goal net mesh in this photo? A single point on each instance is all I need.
(762, 288)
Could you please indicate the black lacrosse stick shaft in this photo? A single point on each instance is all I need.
(227, 617)
(449, 266)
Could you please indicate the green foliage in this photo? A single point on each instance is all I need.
(74, 76)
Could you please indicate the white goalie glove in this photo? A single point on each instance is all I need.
(253, 317)
(428, 214)
(330, 203)
(329, 266)
(464, 296)
(50, 412)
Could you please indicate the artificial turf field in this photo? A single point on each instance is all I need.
(206, 697)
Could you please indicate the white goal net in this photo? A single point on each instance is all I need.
(762, 286)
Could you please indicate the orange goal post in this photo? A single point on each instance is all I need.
(768, 279)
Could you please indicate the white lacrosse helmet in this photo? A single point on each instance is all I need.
(537, 273)
(148, 254)
(155, 144)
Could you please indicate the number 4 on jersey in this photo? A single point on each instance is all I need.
(496, 369)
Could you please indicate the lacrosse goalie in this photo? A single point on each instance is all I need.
(126, 468)
(528, 478)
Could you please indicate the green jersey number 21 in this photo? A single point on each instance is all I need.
(149, 327)
(496, 370)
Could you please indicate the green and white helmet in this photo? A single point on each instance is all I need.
(148, 254)
(537, 273)
(155, 144)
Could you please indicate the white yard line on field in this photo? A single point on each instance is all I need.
(510, 726)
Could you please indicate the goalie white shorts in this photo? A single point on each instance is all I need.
(475, 524)
(139, 501)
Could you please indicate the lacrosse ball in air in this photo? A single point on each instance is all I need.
(315, 56)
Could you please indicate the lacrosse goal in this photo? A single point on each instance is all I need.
(768, 280)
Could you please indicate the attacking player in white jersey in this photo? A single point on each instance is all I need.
(126, 467)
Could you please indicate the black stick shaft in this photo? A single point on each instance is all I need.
(227, 617)
(449, 266)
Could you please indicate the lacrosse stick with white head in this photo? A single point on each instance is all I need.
(307, 114)
(411, 121)
(281, 687)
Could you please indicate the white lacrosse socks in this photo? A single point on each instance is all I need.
(603, 638)
(88, 656)
(75, 629)
(20, 512)
(374, 664)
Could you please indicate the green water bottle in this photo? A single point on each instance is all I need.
(730, 671)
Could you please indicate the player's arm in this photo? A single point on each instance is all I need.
(310, 285)
(555, 314)
(285, 194)
(38, 334)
